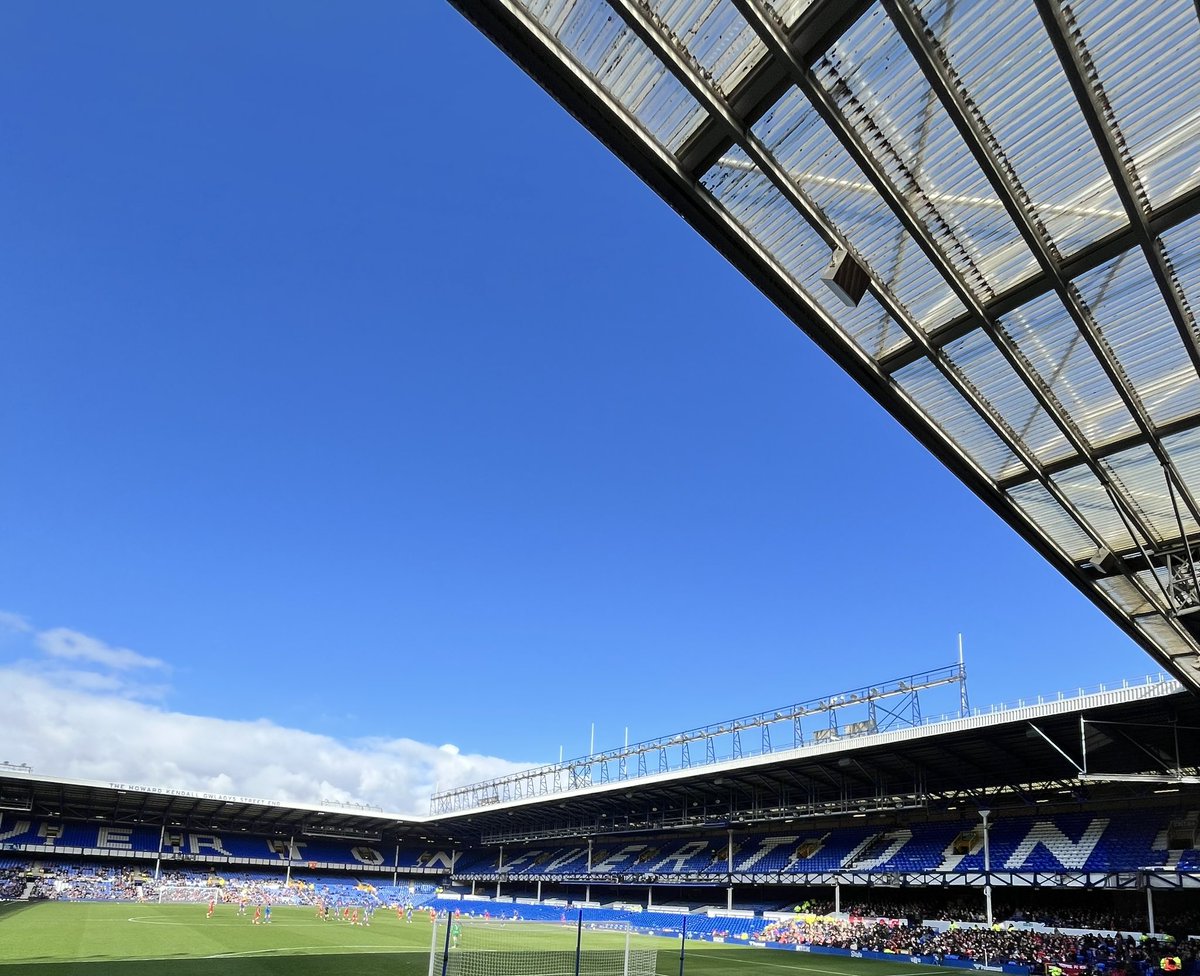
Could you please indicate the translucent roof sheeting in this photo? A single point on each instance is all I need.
(1018, 182)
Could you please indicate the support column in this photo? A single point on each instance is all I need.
(649, 897)
(987, 866)
(539, 891)
(396, 867)
(587, 892)
(1150, 907)
(291, 848)
(837, 896)
(472, 886)
(162, 836)
(729, 899)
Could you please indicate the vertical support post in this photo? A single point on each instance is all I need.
(396, 867)
(987, 866)
(1083, 745)
(287, 880)
(587, 893)
(433, 946)
(162, 836)
(499, 868)
(539, 891)
(578, 940)
(649, 897)
(682, 944)
(472, 886)
(964, 705)
(729, 899)
(446, 950)
(590, 842)
(837, 897)
(1150, 906)
(625, 971)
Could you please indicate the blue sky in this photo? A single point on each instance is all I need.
(354, 385)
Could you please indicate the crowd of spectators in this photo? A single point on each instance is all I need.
(1055, 910)
(12, 883)
(1043, 951)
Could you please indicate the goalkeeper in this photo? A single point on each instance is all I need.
(455, 933)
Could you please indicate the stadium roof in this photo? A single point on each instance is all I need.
(28, 794)
(1139, 739)
(1017, 178)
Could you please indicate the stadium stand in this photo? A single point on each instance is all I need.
(1055, 844)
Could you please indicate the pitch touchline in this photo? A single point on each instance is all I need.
(832, 972)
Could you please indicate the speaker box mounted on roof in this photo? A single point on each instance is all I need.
(846, 278)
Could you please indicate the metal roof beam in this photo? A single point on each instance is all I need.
(1179, 210)
(815, 30)
(929, 56)
(982, 145)
(1107, 449)
(802, 75)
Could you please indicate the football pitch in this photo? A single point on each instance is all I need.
(107, 939)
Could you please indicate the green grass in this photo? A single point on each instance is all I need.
(64, 939)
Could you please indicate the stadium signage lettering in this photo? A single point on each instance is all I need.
(133, 787)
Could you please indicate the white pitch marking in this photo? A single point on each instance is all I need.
(758, 961)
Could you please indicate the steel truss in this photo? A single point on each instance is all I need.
(880, 707)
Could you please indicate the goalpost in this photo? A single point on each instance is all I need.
(515, 947)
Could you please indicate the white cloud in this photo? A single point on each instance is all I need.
(14, 622)
(71, 645)
(88, 729)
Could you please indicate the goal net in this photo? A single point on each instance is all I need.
(512, 947)
(187, 894)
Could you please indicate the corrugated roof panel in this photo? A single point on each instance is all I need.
(1145, 53)
(1094, 505)
(1058, 352)
(881, 92)
(1130, 313)
(1055, 521)
(947, 409)
(984, 366)
(618, 60)
(716, 35)
(762, 211)
(790, 11)
(1183, 449)
(1182, 246)
(1128, 597)
(1172, 644)
(826, 174)
(1004, 60)
(1141, 479)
